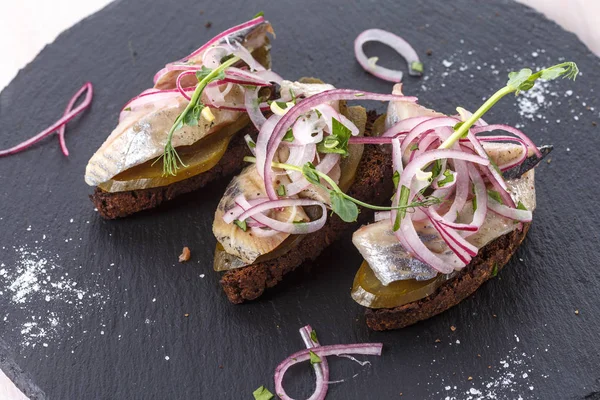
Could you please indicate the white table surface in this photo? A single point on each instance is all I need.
(26, 26)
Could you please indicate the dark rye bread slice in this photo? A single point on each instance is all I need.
(121, 204)
(480, 269)
(373, 184)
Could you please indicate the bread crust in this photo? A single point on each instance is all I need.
(373, 184)
(121, 204)
(480, 269)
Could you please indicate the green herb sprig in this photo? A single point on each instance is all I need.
(522, 80)
(191, 115)
(342, 204)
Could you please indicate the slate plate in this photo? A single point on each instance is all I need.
(106, 317)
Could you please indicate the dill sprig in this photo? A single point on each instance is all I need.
(190, 115)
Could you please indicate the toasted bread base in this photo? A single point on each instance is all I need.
(373, 184)
(479, 270)
(121, 204)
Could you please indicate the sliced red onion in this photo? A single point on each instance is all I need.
(292, 228)
(242, 205)
(371, 140)
(247, 77)
(253, 109)
(61, 131)
(321, 369)
(415, 67)
(461, 193)
(269, 76)
(212, 57)
(430, 124)
(309, 129)
(243, 53)
(68, 116)
(150, 96)
(509, 212)
(304, 106)
(481, 151)
(249, 140)
(373, 349)
(262, 143)
(179, 86)
(478, 129)
(325, 166)
(404, 126)
(506, 198)
(229, 32)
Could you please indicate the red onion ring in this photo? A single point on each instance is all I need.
(510, 212)
(228, 32)
(373, 349)
(59, 125)
(274, 139)
(478, 129)
(178, 83)
(321, 369)
(253, 109)
(400, 45)
(292, 228)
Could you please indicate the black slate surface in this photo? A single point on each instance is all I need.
(121, 332)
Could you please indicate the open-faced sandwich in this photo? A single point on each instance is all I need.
(189, 128)
(274, 215)
(462, 199)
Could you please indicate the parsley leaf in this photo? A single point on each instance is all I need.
(494, 270)
(251, 144)
(314, 359)
(262, 393)
(448, 178)
(281, 190)
(192, 118)
(521, 206)
(396, 179)
(289, 136)
(495, 195)
(313, 336)
(437, 168)
(337, 142)
(241, 224)
(201, 74)
(310, 173)
(346, 209)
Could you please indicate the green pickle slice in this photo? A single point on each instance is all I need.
(198, 158)
(368, 291)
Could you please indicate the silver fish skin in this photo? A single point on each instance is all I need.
(391, 262)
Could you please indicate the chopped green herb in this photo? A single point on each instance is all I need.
(289, 136)
(127, 109)
(521, 206)
(251, 144)
(337, 142)
(281, 190)
(494, 165)
(474, 203)
(313, 336)
(404, 193)
(416, 66)
(262, 393)
(448, 178)
(241, 224)
(414, 147)
(494, 270)
(396, 179)
(259, 14)
(314, 359)
(437, 168)
(359, 95)
(495, 195)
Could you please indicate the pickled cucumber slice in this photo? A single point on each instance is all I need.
(368, 291)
